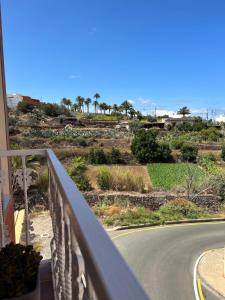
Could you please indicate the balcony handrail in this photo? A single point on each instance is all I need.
(110, 276)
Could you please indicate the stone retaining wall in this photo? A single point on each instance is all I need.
(152, 200)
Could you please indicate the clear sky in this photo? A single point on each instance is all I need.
(164, 53)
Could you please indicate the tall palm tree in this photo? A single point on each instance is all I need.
(101, 106)
(104, 107)
(75, 107)
(115, 108)
(96, 104)
(109, 108)
(126, 105)
(80, 102)
(97, 96)
(66, 102)
(87, 103)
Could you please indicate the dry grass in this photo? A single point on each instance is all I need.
(137, 170)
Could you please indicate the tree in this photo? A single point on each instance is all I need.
(75, 107)
(87, 103)
(146, 148)
(184, 111)
(104, 107)
(189, 153)
(97, 96)
(50, 109)
(126, 105)
(24, 107)
(67, 102)
(80, 102)
(96, 104)
(109, 108)
(115, 108)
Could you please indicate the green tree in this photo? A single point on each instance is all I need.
(80, 102)
(126, 105)
(67, 102)
(223, 153)
(24, 107)
(184, 111)
(97, 96)
(146, 148)
(87, 103)
(189, 153)
(96, 104)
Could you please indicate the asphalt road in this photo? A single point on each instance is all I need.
(163, 258)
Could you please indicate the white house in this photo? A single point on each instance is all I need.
(13, 100)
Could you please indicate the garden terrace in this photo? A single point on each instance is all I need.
(85, 263)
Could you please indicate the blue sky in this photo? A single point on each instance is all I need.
(164, 53)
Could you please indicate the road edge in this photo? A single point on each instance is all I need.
(117, 228)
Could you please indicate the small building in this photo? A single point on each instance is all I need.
(28, 99)
(13, 100)
(171, 122)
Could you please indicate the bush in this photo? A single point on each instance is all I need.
(217, 184)
(118, 179)
(223, 153)
(177, 143)
(24, 107)
(146, 149)
(189, 153)
(51, 109)
(211, 134)
(77, 170)
(99, 157)
(18, 270)
(179, 209)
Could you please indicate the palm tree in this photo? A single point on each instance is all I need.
(126, 105)
(101, 106)
(66, 102)
(96, 104)
(109, 108)
(184, 111)
(97, 96)
(87, 103)
(75, 107)
(115, 108)
(80, 102)
(104, 107)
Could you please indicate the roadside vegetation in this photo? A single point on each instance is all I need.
(118, 215)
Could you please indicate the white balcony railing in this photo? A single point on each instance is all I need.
(85, 263)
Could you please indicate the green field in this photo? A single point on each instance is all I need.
(169, 175)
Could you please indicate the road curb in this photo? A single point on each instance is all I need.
(168, 223)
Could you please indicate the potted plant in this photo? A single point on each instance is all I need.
(19, 272)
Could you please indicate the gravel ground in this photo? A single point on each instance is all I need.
(42, 233)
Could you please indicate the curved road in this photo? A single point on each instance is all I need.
(163, 258)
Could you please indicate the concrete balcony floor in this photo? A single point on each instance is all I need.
(46, 281)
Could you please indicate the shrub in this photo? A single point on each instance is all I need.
(179, 209)
(223, 153)
(189, 153)
(217, 184)
(146, 149)
(104, 179)
(51, 109)
(18, 270)
(177, 143)
(99, 157)
(114, 157)
(24, 107)
(77, 170)
(211, 134)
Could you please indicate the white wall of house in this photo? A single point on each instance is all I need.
(13, 100)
